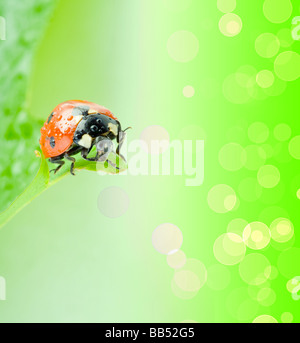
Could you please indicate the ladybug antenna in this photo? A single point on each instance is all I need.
(127, 128)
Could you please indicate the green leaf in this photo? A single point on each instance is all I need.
(44, 179)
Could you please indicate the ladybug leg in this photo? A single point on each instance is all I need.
(121, 138)
(72, 159)
(57, 161)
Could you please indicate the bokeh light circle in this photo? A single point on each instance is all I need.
(191, 277)
(285, 37)
(155, 139)
(167, 238)
(282, 132)
(286, 317)
(287, 66)
(188, 91)
(226, 6)
(253, 268)
(265, 318)
(232, 156)
(266, 296)
(255, 157)
(265, 78)
(240, 306)
(277, 11)
(258, 132)
(183, 46)
(229, 249)
(237, 226)
(267, 45)
(230, 24)
(176, 260)
(256, 235)
(268, 176)
(113, 202)
(221, 198)
(294, 147)
(282, 230)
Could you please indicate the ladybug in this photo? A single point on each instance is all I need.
(76, 126)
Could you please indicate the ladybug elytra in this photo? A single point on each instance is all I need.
(76, 126)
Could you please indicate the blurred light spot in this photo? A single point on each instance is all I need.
(265, 78)
(267, 45)
(258, 132)
(285, 37)
(155, 138)
(277, 88)
(221, 198)
(113, 202)
(232, 156)
(249, 189)
(287, 66)
(187, 280)
(268, 176)
(256, 235)
(226, 6)
(237, 226)
(188, 91)
(252, 269)
(266, 297)
(294, 147)
(293, 285)
(268, 214)
(264, 318)
(191, 277)
(282, 230)
(229, 249)
(286, 317)
(240, 306)
(183, 46)
(176, 260)
(282, 132)
(230, 24)
(277, 11)
(272, 271)
(180, 293)
(255, 157)
(298, 193)
(268, 149)
(167, 238)
(218, 277)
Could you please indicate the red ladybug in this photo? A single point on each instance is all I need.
(76, 126)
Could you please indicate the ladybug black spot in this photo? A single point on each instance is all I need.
(52, 142)
(50, 117)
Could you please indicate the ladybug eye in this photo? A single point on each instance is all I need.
(99, 121)
(94, 128)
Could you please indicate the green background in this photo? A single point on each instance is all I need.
(64, 260)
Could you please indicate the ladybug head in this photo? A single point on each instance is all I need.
(93, 126)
